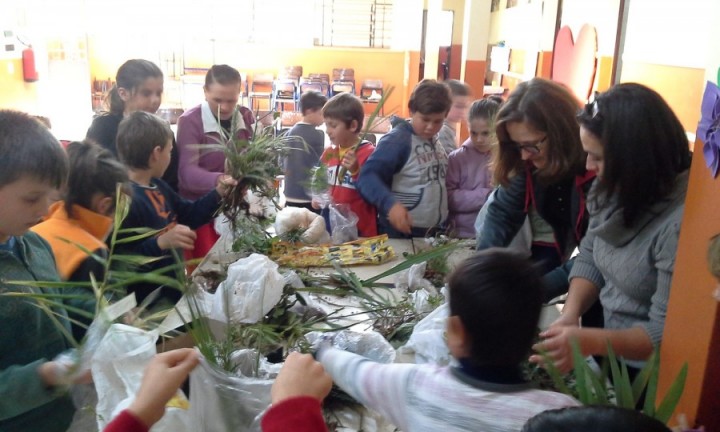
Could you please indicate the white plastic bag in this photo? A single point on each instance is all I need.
(291, 218)
(413, 279)
(427, 340)
(118, 367)
(253, 287)
(343, 223)
(224, 402)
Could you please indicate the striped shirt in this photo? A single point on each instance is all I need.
(432, 398)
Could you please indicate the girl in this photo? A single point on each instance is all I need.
(85, 217)
(468, 178)
(200, 167)
(639, 150)
(138, 87)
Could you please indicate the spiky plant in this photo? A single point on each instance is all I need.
(254, 164)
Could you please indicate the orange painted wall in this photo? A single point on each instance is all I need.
(16, 93)
(692, 326)
(681, 87)
(389, 66)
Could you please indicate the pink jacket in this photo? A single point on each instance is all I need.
(468, 184)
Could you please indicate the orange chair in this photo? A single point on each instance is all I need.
(261, 88)
(286, 89)
(371, 91)
(343, 81)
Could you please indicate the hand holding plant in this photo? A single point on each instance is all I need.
(224, 185)
(556, 344)
(179, 236)
(350, 162)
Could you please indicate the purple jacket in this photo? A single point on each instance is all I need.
(199, 168)
(468, 184)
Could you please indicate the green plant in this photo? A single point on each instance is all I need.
(594, 389)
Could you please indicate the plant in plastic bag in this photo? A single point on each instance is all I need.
(343, 223)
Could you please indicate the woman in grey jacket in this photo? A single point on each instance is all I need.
(639, 150)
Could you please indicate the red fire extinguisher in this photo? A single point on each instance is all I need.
(28, 59)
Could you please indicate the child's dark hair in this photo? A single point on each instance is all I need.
(485, 109)
(138, 135)
(594, 419)
(430, 97)
(131, 75)
(311, 101)
(93, 170)
(223, 75)
(496, 293)
(458, 88)
(345, 107)
(27, 148)
(644, 143)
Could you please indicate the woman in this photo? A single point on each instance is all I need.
(639, 150)
(540, 168)
(201, 166)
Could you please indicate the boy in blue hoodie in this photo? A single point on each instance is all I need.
(404, 178)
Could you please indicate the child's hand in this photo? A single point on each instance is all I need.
(400, 218)
(350, 162)
(179, 236)
(162, 378)
(301, 375)
(315, 204)
(224, 184)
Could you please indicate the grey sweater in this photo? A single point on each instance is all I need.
(633, 266)
(304, 155)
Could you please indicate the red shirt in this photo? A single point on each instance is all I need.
(343, 190)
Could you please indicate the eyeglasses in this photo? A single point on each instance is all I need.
(531, 147)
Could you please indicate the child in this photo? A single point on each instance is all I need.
(460, 95)
(199, 130)
(344, 116)
(84, 219)
(138, 87)
(33, 166)
(495, 303)
(144, 145)
(304, 155)
(405, 177)
(469, 181)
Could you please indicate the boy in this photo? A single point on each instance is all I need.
(344, 116)
(33, 166)
(144, 144)
(405, 176)
(303, 156)
(495, 303)
(460, 95)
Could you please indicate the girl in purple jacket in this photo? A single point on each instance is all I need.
(468, 178)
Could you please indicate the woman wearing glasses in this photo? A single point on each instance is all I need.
(639, 150)
(540, 169)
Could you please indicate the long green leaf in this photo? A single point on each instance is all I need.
(49, 284)
(621, 381)
(416, 259)
(641, 380)
(137, 237)
(651, 393)
(555, 374)
(581, 368)
(672, 397)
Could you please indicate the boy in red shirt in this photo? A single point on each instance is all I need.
(344, 116)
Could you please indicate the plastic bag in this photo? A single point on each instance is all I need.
(224, 402)
(413, 279)
(343, 223)
(291, 218)
(369, 344)
(522, 242)
(118, 367)
(427, 340)
(253, 287)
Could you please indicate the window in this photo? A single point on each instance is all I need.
(355, 23)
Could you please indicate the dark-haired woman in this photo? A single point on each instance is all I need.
(639, 150)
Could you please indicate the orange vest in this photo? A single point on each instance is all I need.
(86, 228)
